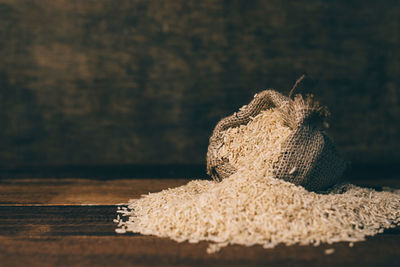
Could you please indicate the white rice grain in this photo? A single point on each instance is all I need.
(251, 207)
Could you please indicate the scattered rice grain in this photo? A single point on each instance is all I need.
(329, 251)
(252, 207)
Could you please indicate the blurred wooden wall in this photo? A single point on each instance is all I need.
(144, 82)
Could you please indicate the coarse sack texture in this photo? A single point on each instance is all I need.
(308, 157)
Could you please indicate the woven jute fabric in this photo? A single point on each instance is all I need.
(309, 158)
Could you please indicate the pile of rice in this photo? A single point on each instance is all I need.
(251, 207)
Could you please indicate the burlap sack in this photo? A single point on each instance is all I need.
(309, 157)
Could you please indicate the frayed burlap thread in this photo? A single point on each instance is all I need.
(309, 158)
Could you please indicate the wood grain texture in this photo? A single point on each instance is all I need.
(75, 235)
(79, 191)
(100, 82)
(62, 191)
(151, 251)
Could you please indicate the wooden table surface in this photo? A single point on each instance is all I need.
(69, 222)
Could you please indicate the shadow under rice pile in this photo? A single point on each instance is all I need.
(252, 207)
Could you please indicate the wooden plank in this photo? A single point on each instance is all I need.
(152, 251)
(79, 191)
(21, 221)
(37, 234)
(84, 236)
(103, 192)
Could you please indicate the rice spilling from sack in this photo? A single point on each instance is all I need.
(252, 207)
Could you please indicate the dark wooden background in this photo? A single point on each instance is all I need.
(144, 82)
(133, 88)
